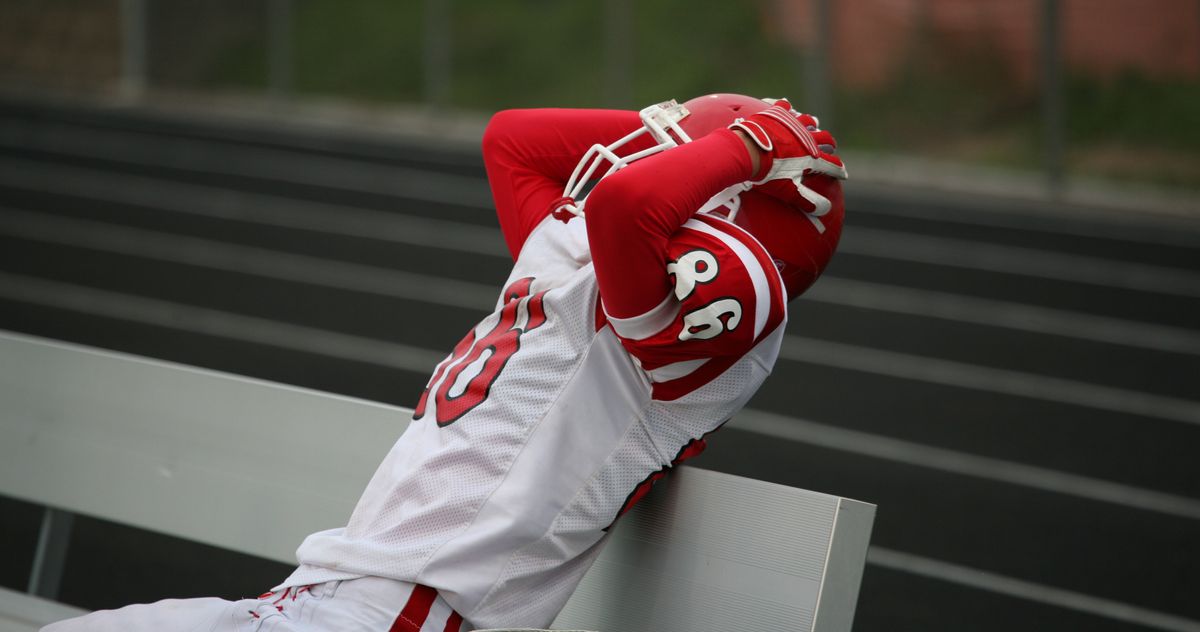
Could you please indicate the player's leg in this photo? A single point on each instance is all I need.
(368, 604)
(205, 614)
(374, 603)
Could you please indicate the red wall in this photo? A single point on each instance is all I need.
(872, 39)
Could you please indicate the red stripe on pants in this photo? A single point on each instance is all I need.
(413, 616)
(454, 622)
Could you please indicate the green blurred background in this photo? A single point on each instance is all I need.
(1068, 89)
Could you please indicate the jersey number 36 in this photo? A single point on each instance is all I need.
(462, 381)
(692, 269)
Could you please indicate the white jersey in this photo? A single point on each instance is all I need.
(549, 420)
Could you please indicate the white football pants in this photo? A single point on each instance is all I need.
(368, 604)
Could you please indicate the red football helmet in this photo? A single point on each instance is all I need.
(800, 237)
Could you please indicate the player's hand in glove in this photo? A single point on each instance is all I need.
(793, 147)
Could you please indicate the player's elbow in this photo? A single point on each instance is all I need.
(502, 129)
(619, 204)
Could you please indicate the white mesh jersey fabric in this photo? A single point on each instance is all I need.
(504, 507)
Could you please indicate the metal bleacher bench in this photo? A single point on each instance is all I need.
(254, 466)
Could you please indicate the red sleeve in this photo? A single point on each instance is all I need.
(726, 298)
(632, 214)
(530, 154)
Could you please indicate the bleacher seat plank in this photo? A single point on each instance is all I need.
(20, 612)
(238, 463)
(254, 466)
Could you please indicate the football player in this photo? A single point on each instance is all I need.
(637, 319)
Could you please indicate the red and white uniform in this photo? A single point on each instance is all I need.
(615, 347)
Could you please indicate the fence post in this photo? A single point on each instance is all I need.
(279, 38)
(618, 57)
(1052, 98)
(817, 93)
(133, 49)
(436, 57)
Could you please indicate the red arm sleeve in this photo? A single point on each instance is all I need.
(530, 154)
(632, 214)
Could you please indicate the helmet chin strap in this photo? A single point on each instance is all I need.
(730, 198)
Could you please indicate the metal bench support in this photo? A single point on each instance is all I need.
(51, 554)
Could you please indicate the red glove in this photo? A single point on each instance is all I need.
(793, 147)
